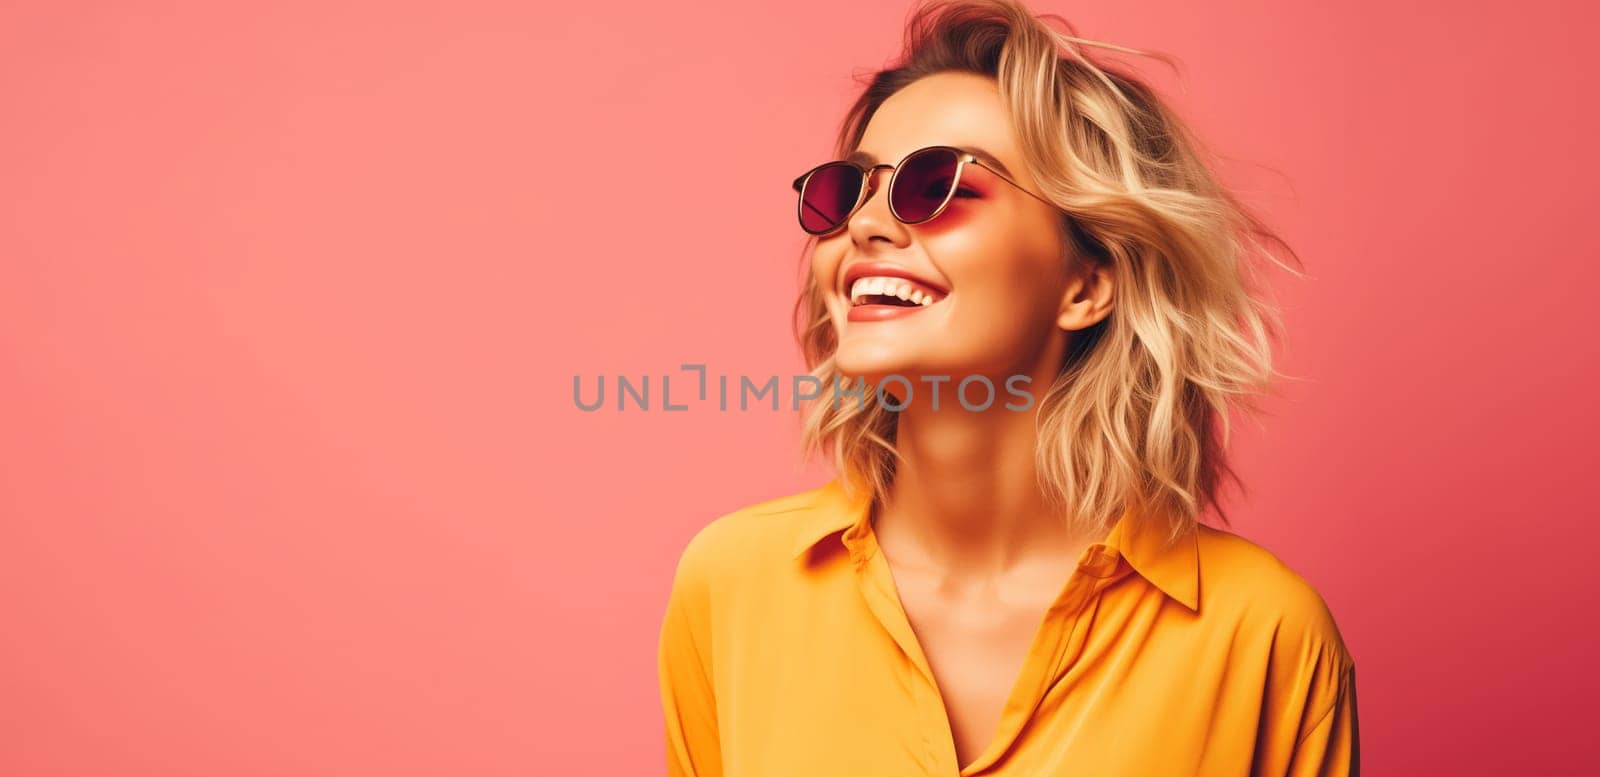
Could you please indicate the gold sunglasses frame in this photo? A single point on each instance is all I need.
(869, 174)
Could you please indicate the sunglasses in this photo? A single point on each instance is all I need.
(920, 188)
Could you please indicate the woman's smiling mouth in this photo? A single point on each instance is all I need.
(882, 290)
(879, 291)
(879, 298)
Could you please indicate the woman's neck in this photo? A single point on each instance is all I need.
(966, 496)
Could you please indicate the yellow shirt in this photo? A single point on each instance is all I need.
(785, 652)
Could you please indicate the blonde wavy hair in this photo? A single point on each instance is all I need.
(1132, 420)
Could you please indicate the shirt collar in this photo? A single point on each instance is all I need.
(1173, 566)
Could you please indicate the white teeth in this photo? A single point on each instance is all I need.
(887, 286)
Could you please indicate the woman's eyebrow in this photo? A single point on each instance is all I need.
(864, 158)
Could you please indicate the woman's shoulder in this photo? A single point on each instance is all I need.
(755, 536)
(1243, 581)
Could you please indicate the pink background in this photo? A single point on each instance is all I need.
(291, 301)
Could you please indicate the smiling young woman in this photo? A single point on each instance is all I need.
(985, 590)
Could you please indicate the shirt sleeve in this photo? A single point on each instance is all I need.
(1330, 744)
(684, 665)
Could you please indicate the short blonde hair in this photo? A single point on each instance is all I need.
(1132, 420)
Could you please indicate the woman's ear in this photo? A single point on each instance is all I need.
(1088, 297)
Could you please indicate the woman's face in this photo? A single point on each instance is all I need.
(994, 256)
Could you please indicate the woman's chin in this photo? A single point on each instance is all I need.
(874, 367)
(876, 373)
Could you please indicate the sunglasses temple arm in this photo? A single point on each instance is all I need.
(1009, 180)
(1024, 189)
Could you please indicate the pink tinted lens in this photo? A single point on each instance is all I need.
(828, 196)
(923, 183)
